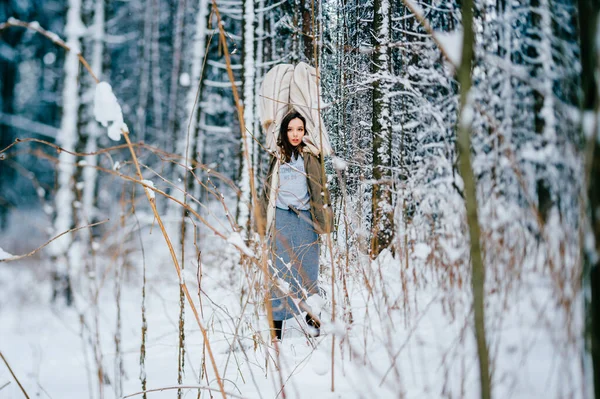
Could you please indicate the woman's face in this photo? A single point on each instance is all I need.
(295, 132)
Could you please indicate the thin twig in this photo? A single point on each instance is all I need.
(48, 242)
(233, 395)
(176, 264)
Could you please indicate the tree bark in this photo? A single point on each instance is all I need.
(382, 226)
(470, 191)
(244, 203)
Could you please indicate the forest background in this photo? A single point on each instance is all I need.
(396, 77)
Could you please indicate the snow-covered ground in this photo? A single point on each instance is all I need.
(411, 333)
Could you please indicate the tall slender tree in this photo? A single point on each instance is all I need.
(382, 208)
(67, 139)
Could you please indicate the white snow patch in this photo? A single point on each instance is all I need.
(149, 183)
(589, 123)
(415, 8)
(236, 240)
(315, 303)
(4, 254)
(339, 164)
(189, 276)
(108, 112)
(458, 181)
(453, 252)
(451, 43)
(320, 362)
(185, 80)
(422, 251)
(49, 58)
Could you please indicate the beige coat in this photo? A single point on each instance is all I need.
(320, 203)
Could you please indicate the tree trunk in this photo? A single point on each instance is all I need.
(588, 30)
(67, 139)
(157, 97)
(382, 227)
(144, 86)
(470, 191)
(307, 9)
(244, 203)
(8, 81)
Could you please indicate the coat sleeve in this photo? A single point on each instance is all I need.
(320, 201)
(260, 220)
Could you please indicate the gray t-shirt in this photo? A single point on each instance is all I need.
(293, 188)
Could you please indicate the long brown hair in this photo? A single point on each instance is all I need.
(283, 141)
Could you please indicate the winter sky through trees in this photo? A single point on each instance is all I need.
(464, 178)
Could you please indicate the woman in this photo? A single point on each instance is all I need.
(295, 208)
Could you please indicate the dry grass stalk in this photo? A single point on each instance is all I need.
(13, 374)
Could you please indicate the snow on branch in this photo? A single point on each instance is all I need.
(108, 112)
(449, 43)
(4, 254)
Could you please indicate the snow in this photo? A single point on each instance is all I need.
(451, 43)
(74, 27)
(236, 240)
(422, 251)
(4, 254)
(339, 164)
(49, 58)
(107, 111)
(185, 80)
(416, 8)
(419, 351)
(150, 184)
(590, 119)
(320, 363)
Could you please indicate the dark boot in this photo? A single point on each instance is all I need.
(314, 326)
(277, 329)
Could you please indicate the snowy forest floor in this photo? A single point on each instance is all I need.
(411, 333)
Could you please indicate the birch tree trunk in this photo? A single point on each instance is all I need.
(470, 191)
(244, 203)
(67, 139)
(194, 143)
(544, 96)
(382, 210)
(92, 130)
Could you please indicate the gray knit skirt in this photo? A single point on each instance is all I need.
(295, 247)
